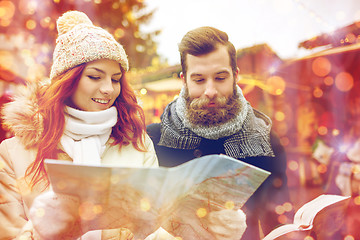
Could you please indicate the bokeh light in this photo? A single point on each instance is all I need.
(350, 38)
(88, 210)
(328, 81)
(275, 85)
(27, 7)
(45, 22)
(229, 205)
(282, 219)
(357, 200)
(30, 24)
(284, 141)
(288, 207)
(7, 10)
(140, 48)
(322, 130)
(115, 5)
(279, 116)
(349, 237)
(344, 81)
(335, 132)
(143, 91)
(308, 238)
(279, 209)
(119, 33)
(318, 93)
(293, 165)
(322, 168)
(321, 66)
(201, 212)
(145, 204)
(97, 209)
(277, 182)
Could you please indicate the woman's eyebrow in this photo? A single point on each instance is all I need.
(97, 69)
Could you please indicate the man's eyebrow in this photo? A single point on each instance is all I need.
(195, 75)
(223, 72)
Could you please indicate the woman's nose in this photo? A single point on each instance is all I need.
(107, 87)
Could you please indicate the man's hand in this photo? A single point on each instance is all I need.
(227, 224)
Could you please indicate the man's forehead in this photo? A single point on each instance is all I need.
(219, 57)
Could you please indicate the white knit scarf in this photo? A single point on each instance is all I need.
(86, 133)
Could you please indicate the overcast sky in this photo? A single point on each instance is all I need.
(282, 24)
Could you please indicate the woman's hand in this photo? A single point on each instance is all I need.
(56, 216)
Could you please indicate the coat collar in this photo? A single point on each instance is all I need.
(21, 118)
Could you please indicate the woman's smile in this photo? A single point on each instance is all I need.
(100, 100)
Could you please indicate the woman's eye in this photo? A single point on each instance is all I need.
(94, 77)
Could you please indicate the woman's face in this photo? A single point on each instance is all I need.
(99, 86)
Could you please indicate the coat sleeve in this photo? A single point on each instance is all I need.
(12, 212)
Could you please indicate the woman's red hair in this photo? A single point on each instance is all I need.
(129, 128)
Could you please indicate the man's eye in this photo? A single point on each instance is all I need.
(115, 80)
(220, 78)
(198, 80)
(93, 77)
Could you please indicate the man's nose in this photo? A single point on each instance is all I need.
(210, 90)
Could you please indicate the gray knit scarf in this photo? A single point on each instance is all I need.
(247, 135)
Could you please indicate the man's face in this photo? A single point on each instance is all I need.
(209, 86)
(210, 75)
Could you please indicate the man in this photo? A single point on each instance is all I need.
(211, 116)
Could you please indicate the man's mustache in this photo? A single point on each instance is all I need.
(201, 103)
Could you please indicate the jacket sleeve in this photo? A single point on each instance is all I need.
(12, 212)
(151, 159)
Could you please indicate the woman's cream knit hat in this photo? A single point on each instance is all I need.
(79, 41)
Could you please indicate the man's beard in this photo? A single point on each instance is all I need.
(199, 114)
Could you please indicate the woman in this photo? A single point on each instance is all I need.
(86, 114)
